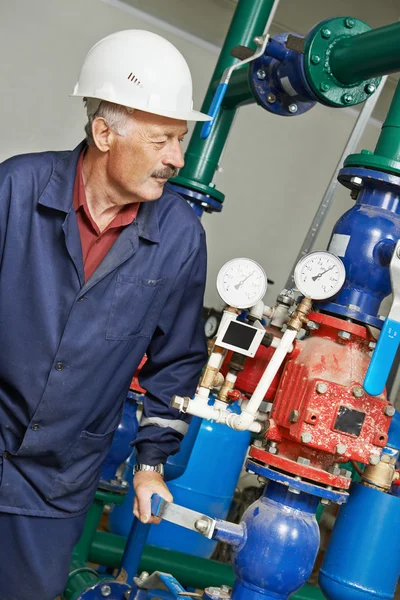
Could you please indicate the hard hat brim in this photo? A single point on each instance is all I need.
(190, 115)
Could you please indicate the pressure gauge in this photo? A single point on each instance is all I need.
(241, 283)
(319, 275)
(212, 320)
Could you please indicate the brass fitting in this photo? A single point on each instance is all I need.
(227, 387)
(211, 378)
(380, 476)
(300, 315)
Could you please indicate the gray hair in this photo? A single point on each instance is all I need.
(115, 115)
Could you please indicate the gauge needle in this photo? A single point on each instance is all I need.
(238, 285)
(322, 273)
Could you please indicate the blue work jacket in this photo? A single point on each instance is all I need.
(69, 348)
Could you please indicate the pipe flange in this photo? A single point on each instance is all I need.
(280, 86)
(336, 496)
(318, 47)
(367, 159)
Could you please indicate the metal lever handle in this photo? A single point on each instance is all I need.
(214, 109)
(180, 515)
(382, 358)
(389, 339)
(215, 529)
(223, 84)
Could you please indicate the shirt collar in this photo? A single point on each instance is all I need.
(58, 194)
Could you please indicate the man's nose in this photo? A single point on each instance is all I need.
(175, 156)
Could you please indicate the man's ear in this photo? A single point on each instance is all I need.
(102, 134)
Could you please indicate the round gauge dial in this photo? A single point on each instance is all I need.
(241, 283)
(319, 275)
(211, 326)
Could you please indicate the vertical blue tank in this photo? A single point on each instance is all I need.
(207, 486)
(362, 561)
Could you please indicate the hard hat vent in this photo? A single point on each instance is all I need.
(132, 77)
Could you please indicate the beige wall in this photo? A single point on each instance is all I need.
(275, 170)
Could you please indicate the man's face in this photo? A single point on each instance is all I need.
(141, 162)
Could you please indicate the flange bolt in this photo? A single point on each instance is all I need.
(105, 591)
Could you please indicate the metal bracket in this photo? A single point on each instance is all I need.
(295, 43)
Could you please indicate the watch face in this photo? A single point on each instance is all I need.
(211, 326)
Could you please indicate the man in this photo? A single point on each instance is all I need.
(100, 264)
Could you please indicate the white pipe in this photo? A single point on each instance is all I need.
(247, 416)
(198, 408)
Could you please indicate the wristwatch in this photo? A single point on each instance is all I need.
(141, 467)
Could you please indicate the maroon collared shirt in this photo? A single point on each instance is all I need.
(95, 243)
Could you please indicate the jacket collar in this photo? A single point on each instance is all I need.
(58, 194)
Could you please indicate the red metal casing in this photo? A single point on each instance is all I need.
(320, 411)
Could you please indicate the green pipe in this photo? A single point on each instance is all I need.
(368, 55)
(202, 156)
(81, 576)
(387, 152)
(389, 140)
(191, 571)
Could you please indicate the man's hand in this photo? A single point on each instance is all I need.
(147, 483)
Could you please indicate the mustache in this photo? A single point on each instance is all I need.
(166, 173)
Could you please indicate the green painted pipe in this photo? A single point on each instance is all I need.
(387, 152)
(191, 571)
(202, 156)
(80, 575)
(368, 55)
(389, 140)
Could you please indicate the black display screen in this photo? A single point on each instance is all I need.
(349, 420)
(239, 335)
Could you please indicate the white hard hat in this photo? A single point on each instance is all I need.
(141, 70)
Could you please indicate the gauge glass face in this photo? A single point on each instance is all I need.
(211, 326)
(319, 275)
(241, 283)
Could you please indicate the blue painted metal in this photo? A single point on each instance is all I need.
(167, 582)
(282, 536)
(362, 561)
(372, 225)
(278, 80)
(136, 542)
(214, 109)
(382, 358)
(201, 488)
(313, 489)
(118, 591)
(126, 432)
(198, 201)
(176, 465)
(394, 432)
(230, 533)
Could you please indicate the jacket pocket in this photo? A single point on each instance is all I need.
(134, 308)
(83, 468)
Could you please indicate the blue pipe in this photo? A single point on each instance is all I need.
(136, 542)
(278, 80)
(281, 545)
(364, 238)
(362, 561)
